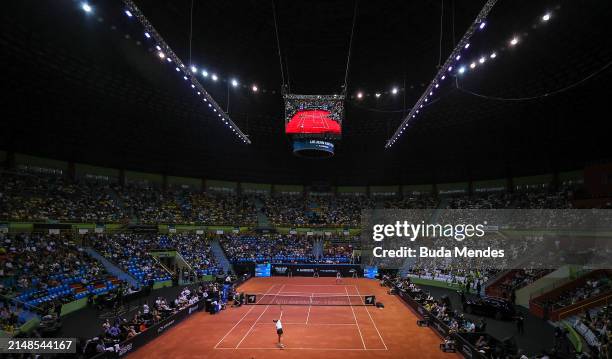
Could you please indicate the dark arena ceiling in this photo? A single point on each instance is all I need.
(89, 88)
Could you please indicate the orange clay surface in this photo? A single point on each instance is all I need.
(335, 332)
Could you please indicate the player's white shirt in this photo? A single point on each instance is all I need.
(279, 325)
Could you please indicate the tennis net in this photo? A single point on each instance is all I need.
(314, 299)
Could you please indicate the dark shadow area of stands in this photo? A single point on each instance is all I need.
(87, 323)
(539, 334)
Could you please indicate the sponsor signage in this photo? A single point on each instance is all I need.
(151, 333)
(324, 270)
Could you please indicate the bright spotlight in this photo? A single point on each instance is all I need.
(457, 57)
(514, 41)
(254, 88)
(128, 13)
(467, 45)
(147, 35)
(450, 68)
(493, 55)
(482, 25)
(161, 55)
(462, 69)
(359, 95)
(394, 90)
(482, 60)
(443, 77)
(546, 17)
(194, 69)
(234, 83)
(472, 65)
(86, 7)
(377, 94)
(214, 77)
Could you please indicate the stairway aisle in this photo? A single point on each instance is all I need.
(219, 254)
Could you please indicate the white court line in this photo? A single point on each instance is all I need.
(308, 293)
(288, 348)
(253, 326)
(244, 316)
(375, 327)
(355, 317)
(309, 307)
(322, 285)
(351, 324)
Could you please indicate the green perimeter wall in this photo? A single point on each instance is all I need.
(151, 178)
(193, 183)
(456, 187)
(27, 160)
(417, 189)
(354, 190)
(83, 169)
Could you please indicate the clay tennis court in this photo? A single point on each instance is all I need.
(323, 331)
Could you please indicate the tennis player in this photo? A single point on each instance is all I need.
(338, 277)
(279, 331)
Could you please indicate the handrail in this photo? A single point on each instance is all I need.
(562, 314)
(25, 305)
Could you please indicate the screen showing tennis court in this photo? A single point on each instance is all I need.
(314, 115)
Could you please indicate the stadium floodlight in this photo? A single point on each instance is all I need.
(86, 7)
(204, 73)
(466, 45)
(546, 17)
(482, 60)
(164, 51)
(377, 94)
(437, 85)
(458, 57)
(359, 94)
(394, 91)
(472, 65)
(234, 83)
(430, 93)
(450, 68)
(514, 41)
(482, 25)
(493, 55)
(214, 77)
(443, 77)
(461, 69)
(177, 69)
(254, 88)
(194, 69)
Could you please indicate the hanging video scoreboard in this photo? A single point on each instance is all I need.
(263, 270)
(314, 122)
